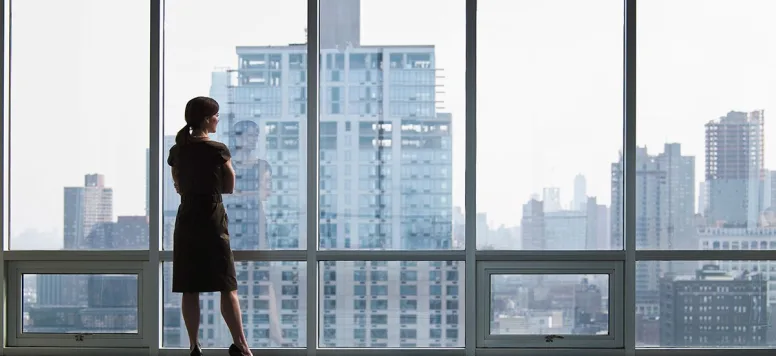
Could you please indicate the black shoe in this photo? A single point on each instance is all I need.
(196, 351)
(235, 351)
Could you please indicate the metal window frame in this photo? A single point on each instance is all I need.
(150, 260)
(614, 271)
(17, 338)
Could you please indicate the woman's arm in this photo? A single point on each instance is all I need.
(175, 179)
(229, 177)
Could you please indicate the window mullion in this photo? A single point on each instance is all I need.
(150, 301)
(470, 183)
(629, 105)
(313, 78)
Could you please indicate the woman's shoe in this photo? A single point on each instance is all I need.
(236, 351)
(196, 351)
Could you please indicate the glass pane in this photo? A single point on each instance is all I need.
(549, 123)
(708, 175)
(78, 156)
(559, 304)
(391, 162)
(705, 304)
(403, 304)
(80, 303)
(273, 302)
(253, 62)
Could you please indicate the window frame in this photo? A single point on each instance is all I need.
(147, 263)
(614, 271)
(18, 338)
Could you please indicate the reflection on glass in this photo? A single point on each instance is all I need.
(80, 303)
(386, 139)
(705, 303)
(713, 182)
(549, 123)
(272, 299)
(77, 177)
(558, 304)
(261, 88)
(392, 304)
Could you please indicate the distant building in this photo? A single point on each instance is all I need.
(713, 308)
(735, 171)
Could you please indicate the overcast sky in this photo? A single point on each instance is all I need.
(549, 86)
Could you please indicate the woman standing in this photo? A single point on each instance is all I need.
(202, 256)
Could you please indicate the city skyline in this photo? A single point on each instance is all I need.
(550, 177)
(656, 110)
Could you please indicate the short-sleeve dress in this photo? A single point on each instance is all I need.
(202, 255)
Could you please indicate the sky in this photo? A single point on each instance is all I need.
(549, 87)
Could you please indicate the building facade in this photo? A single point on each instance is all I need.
(735, 168)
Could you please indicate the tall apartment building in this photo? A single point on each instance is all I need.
(86, 207)
(385, 183)
(665, 207)
(580, 193)
(713, 308)
(734, 168)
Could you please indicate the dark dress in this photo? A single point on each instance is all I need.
(202, 255)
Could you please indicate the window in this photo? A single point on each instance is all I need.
(553, 194)
(615, 198)
(90, 203)
(62, 302)
(393, 304)
(420, 53)
(528, 302)
(278, 308)
(704, 304)
(245, 78)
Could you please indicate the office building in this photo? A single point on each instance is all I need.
(713, 308)
(734, 168)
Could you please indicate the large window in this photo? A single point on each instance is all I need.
(437, 177)
(706, 184)
(392, 126)
(78, 125)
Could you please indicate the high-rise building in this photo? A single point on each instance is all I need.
(580, 193)
(385, 183)
(560, 229)
(170, 197)
(713, 308)
(665, 207)
(665, 200)
(532, 225)
(703, 198)
(86, 207)
(734, 168)
(551, 199)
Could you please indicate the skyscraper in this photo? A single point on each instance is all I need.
(665, 201)
(551, 199)
(86, 207)
(580, 193)
(385, 183)
(734, 168)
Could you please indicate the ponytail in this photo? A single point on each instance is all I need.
(182, 137)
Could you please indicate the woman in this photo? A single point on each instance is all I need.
(202, 257)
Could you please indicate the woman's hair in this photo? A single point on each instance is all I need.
(197, 110)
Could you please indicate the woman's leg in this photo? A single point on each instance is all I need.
(190, 310)
(230, 310)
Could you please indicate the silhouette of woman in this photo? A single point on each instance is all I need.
(255, 190)
(202, 256)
